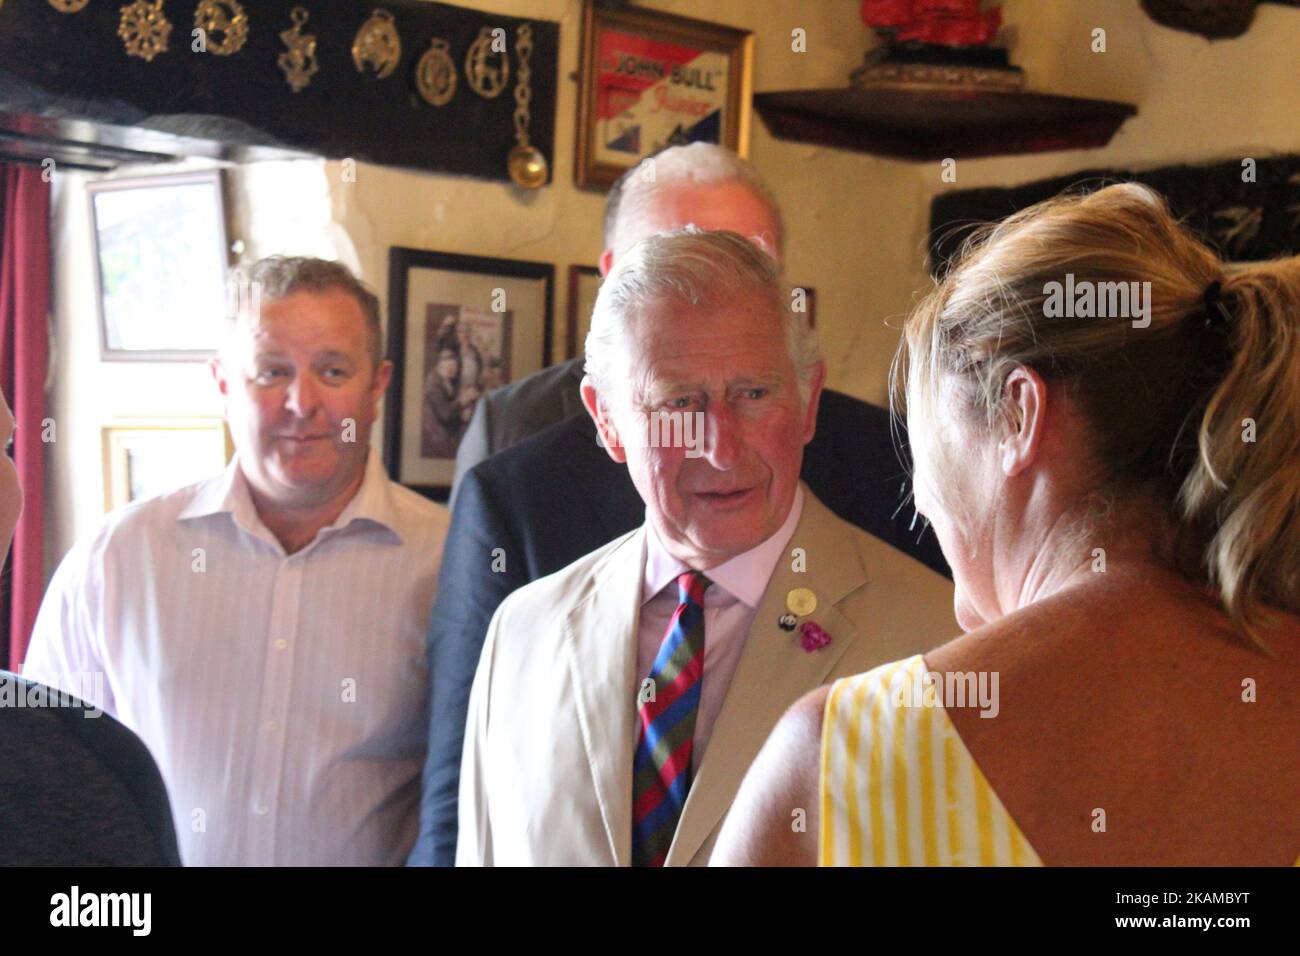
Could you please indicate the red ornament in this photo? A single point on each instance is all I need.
(937, 22)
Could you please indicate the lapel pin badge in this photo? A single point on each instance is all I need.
(801, 601)
(787, 621)
(813, 637)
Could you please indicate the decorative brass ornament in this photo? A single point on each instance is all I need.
(68, 6)
(485, 78)
(144, 29)
(225, 17)
(299, 59)
(377, 45)
(435, 74)
(525, 163)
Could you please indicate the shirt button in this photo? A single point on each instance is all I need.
(261, 810)
(281, 643)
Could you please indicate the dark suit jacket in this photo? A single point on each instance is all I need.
(507, 415)
(77, 790)
(557, 496)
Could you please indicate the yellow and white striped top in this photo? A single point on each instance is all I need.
(898, 786)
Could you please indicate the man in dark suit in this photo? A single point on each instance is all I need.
(547, 500)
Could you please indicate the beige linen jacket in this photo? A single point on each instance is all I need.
(546, 775)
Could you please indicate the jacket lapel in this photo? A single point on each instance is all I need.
(774, 669)
(600, 635)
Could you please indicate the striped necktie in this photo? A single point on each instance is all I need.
(661, 770)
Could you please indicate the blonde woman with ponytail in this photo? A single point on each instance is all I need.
(1115, 479)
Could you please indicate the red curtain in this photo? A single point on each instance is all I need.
(24, 354)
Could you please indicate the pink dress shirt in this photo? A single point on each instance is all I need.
(729, 609)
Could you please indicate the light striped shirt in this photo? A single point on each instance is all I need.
(284, 697)
(898, 786)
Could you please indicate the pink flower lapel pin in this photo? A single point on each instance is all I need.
(812, 636)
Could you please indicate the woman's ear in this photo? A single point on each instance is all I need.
(1024, 402)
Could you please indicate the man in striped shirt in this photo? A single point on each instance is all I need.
(263, 631)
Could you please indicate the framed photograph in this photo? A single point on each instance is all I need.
(458, 326)
(161, 258)
(650, 80)
(148, 456)
(584, 283)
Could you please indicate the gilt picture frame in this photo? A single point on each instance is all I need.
(649, 80)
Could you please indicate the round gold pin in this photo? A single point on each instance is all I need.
(801, 601)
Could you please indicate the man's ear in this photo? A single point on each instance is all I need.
(606, 262)
(604, 425)
(1024, 397)
(383, 375)
(814, 398)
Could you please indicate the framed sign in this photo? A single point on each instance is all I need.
(651, 80)
(584, 283)
(161, 258)
(458, 326)
(144, 457)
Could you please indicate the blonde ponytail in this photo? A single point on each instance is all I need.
(1243, 489)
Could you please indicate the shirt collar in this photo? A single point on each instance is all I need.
(372, 505)
(745, 576)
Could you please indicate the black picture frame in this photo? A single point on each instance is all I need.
(500, 311)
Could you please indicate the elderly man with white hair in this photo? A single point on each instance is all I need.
(549, 494)
(619, 701)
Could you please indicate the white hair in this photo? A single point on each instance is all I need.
(696, 164)
(697, 269)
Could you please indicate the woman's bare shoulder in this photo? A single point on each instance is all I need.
(774, 819)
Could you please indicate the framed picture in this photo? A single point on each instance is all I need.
(148, 456)
(584, 283)
(458, 326)
(651, 80)
(161, 258)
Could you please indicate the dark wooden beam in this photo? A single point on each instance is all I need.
(75, 66)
